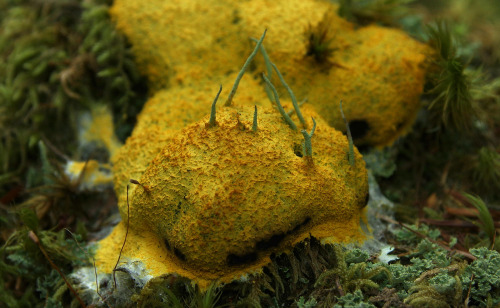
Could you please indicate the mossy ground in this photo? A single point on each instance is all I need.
(60, 58)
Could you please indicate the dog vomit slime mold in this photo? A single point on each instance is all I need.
(378, 72)
(222, 194)
(216, 201)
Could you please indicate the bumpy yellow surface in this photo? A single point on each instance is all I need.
(377, 72)
(181, 42)
(219, 200)
(216, 201)
(169, 110)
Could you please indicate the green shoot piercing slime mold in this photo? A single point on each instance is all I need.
(219, 196)
(378, 72)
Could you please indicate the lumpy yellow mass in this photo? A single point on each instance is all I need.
(215, 201)
(378, 72)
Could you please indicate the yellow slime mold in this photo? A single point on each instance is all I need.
(181, 42)
(378, 72)
(216, 201)
(165, 114)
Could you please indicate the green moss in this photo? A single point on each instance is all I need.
(57, 59)
(356, 255)
(319, 41)
(483, 277)
(486, 172)
(405, 236)
(453, 101)
(21, 258)
(486, 221)
(353, 300)
(303, 304)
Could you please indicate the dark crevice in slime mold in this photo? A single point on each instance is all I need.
(303, 223)
(270, 242)
(235, 260)
(167, 244)
(359, 128)
(401, 125)
(179, 254)
(367, 198)
(262, 245)
(297, 150)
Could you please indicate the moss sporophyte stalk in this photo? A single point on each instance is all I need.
(224, 186)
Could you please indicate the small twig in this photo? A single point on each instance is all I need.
(339, 286)
(53, 148)
(124, 240)
(93, 261)
(36, 240)
(468, 212)
(81, 174)
(445, 247)
(453, 223)
(466, 302)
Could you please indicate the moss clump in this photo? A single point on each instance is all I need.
(52, 68)
(57, 59)
(453, 102)
(482, 275)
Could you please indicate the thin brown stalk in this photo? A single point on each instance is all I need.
(444, 246)
(36, 240)
(124, 241)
